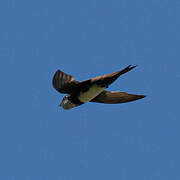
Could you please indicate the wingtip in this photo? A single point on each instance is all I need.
(131, 66)
(142, 96)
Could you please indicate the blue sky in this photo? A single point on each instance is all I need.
(86, 38)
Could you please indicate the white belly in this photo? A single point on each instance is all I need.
(91, 93)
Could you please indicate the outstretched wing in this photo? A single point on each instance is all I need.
(115, 97)
(106, 80)
(63, 82)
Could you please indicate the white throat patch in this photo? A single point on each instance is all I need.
(67, 104)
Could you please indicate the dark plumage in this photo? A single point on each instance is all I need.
(92, 90)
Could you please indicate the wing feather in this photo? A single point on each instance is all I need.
(107, 79)
(64, 83)
(115, 97)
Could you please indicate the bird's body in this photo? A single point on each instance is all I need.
(91, 90)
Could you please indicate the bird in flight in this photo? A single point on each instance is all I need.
(91, 90)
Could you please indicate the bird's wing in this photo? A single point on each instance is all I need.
(103, 80)
(63, 82)
(107, 79)
(115, 97)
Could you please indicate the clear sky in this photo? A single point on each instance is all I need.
(86, 38)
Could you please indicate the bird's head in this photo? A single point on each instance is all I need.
(66, 103)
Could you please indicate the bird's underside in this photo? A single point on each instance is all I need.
(91, 90)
